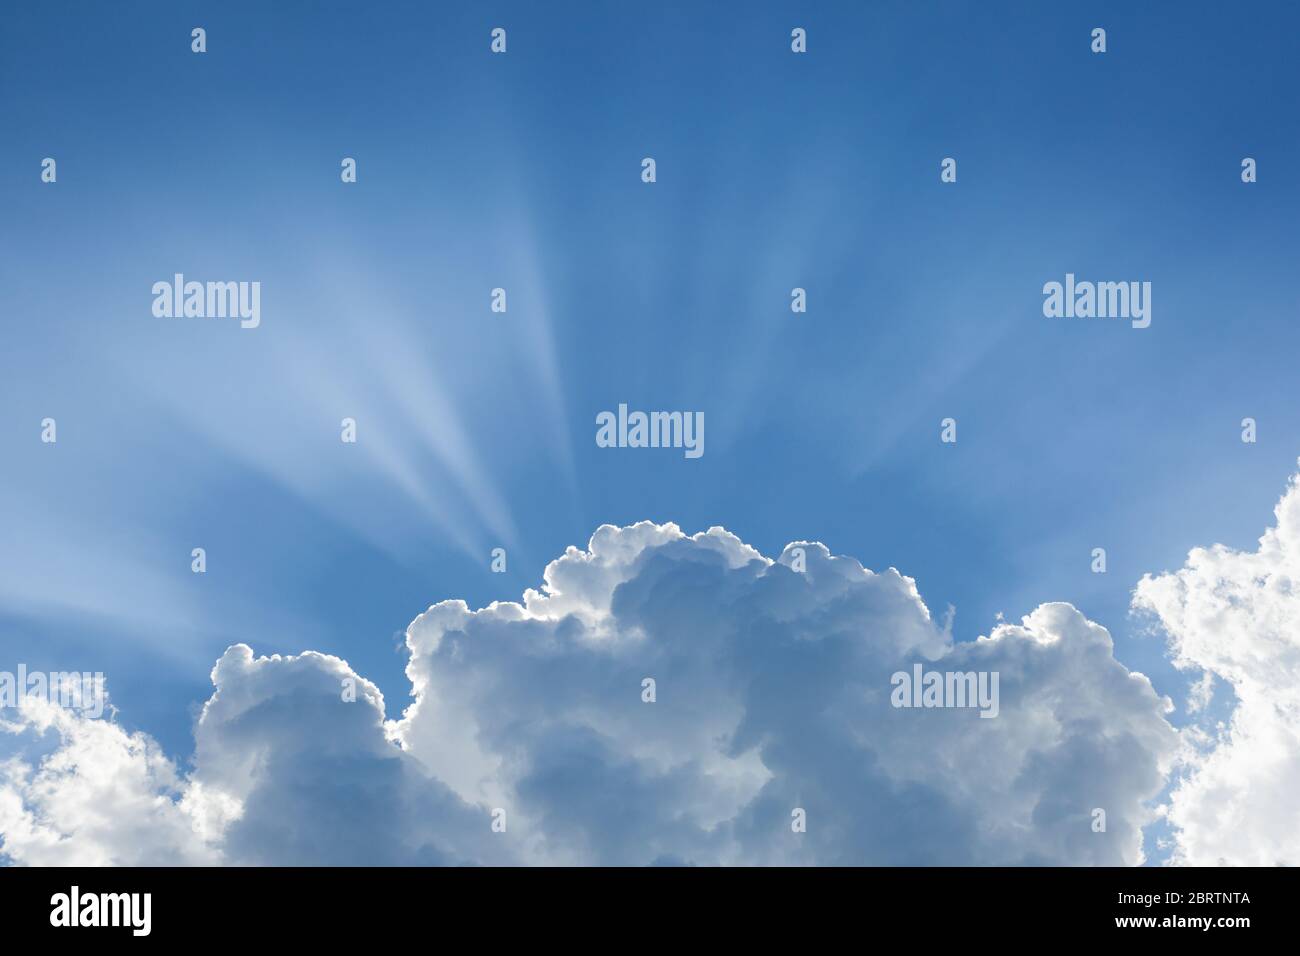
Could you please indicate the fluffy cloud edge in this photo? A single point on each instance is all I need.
(1232, 619)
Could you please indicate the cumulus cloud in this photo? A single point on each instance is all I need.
(77, 791)
(771, 692)
(1233, 617)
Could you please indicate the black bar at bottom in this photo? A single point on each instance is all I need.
(327, 906)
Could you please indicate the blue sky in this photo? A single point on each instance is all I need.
(523, 171)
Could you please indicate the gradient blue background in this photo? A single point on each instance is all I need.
(523, 171)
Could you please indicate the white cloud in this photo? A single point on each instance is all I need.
(1234, 616)
(75, 791)
(773, 692)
